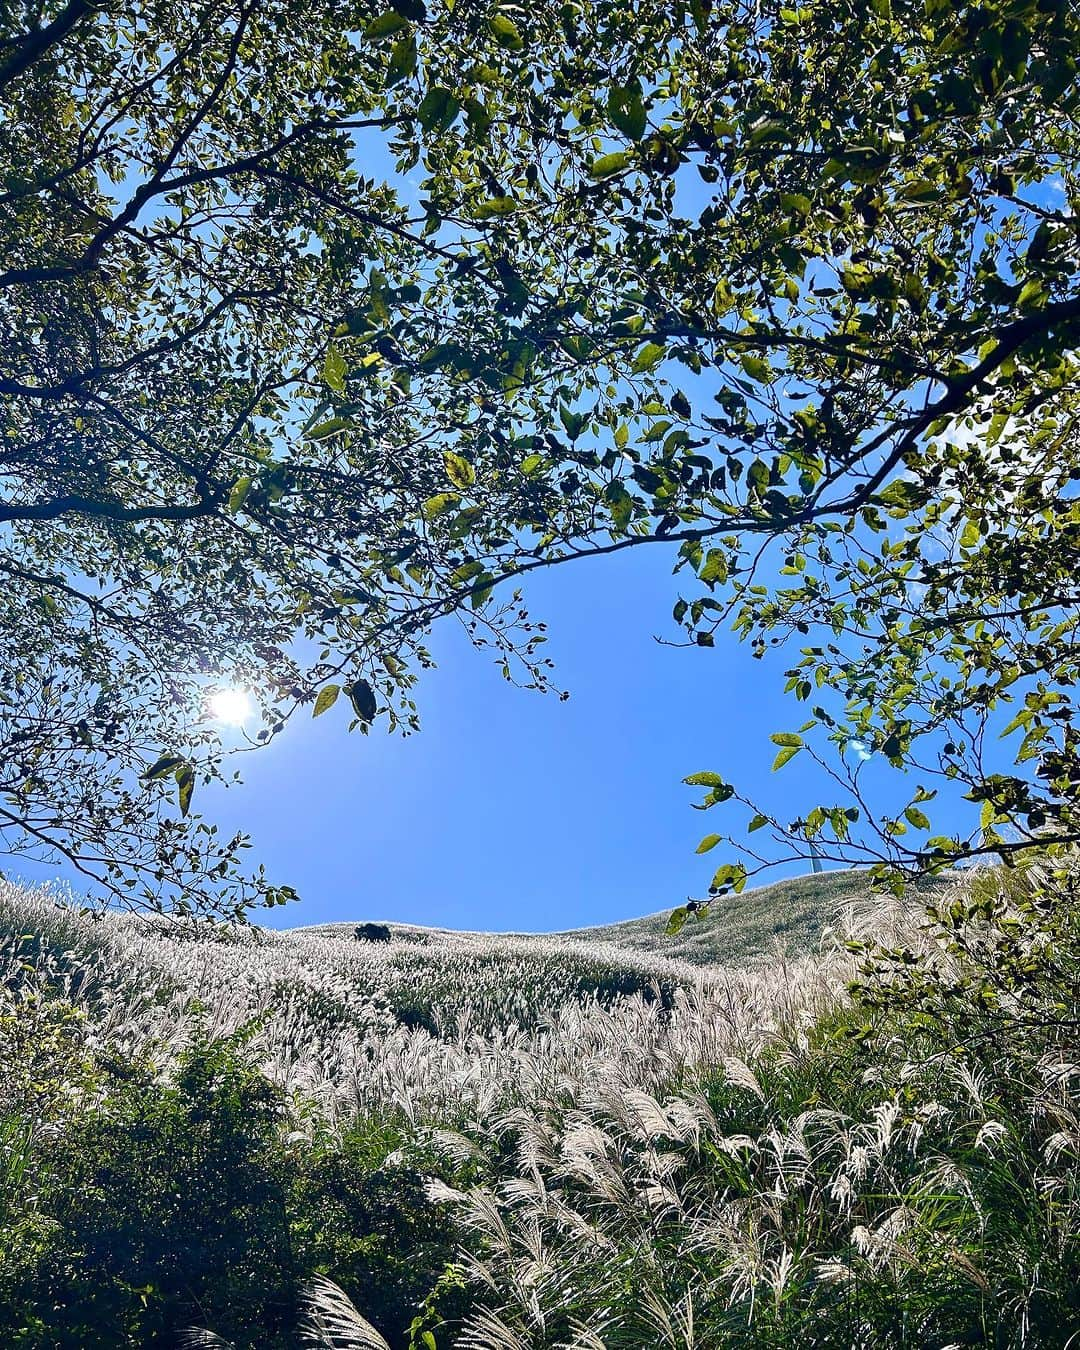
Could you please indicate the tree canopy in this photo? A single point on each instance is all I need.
(320, 323)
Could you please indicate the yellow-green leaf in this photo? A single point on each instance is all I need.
(494, 206)
(241, 488)
(327, 698)
(440, 504)
(648, 356)
(606, 165)
(458, 469)
(384, 25)
(506, 32)
(162, 767)
(334, 370)
(185, 785)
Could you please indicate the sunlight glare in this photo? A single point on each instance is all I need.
(232, 706)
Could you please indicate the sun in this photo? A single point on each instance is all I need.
(232, 706)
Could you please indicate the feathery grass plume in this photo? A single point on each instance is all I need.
(331, 1322)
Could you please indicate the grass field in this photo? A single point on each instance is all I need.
(787, 917)
(603, 1140)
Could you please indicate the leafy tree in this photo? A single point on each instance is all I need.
(719, 276)
(188, 217)
(834, 289)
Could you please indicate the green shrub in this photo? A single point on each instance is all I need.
(189, 1203)
(168, 1201)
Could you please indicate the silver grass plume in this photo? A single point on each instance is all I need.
(331, 1322)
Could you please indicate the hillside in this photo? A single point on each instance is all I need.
(786, 917)
(432, 1022)
(314, 985)
(476, 1136)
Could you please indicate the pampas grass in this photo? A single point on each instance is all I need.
(742, 1163)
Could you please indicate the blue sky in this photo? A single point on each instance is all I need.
(511, 809)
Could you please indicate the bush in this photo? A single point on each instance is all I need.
(168, 1201)
(187, 1203)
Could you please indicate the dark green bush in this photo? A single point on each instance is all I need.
(187, 1204)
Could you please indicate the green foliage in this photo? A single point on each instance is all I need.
(371, 1226)
(676, 272)
(174, 1205)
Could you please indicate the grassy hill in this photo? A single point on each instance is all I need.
(479, 1135)
(432, 1021)
(787, 916)
(316, 983)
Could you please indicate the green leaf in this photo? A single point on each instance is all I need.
(607, 165)
(712, 780)
(923, 190)
(166, 765)
(710, 841)
(758, 821)
(362, 697)
(716, 567)
(573, 422)
(506, 32)
(437, 109)
(788, 753)
(327, 428)
(185, 786)
(647, 357)
(334, 370)
(494, 206)
(620, 502)
(756, 367)
(458, 469)
(239, 493)
(467, 571)
(1031, 293)
(481, 591)
(917, 818)
(796, 202)
(677, 921)
(402, 60)
(385, 25)
(729, 876)
(440, 505)
(327, 698)
(786, 738)
(626, 110)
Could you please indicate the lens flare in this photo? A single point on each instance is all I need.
(232, 706)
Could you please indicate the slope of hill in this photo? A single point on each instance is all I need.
(430, 1023)
(403, 1114)
(786, 917)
